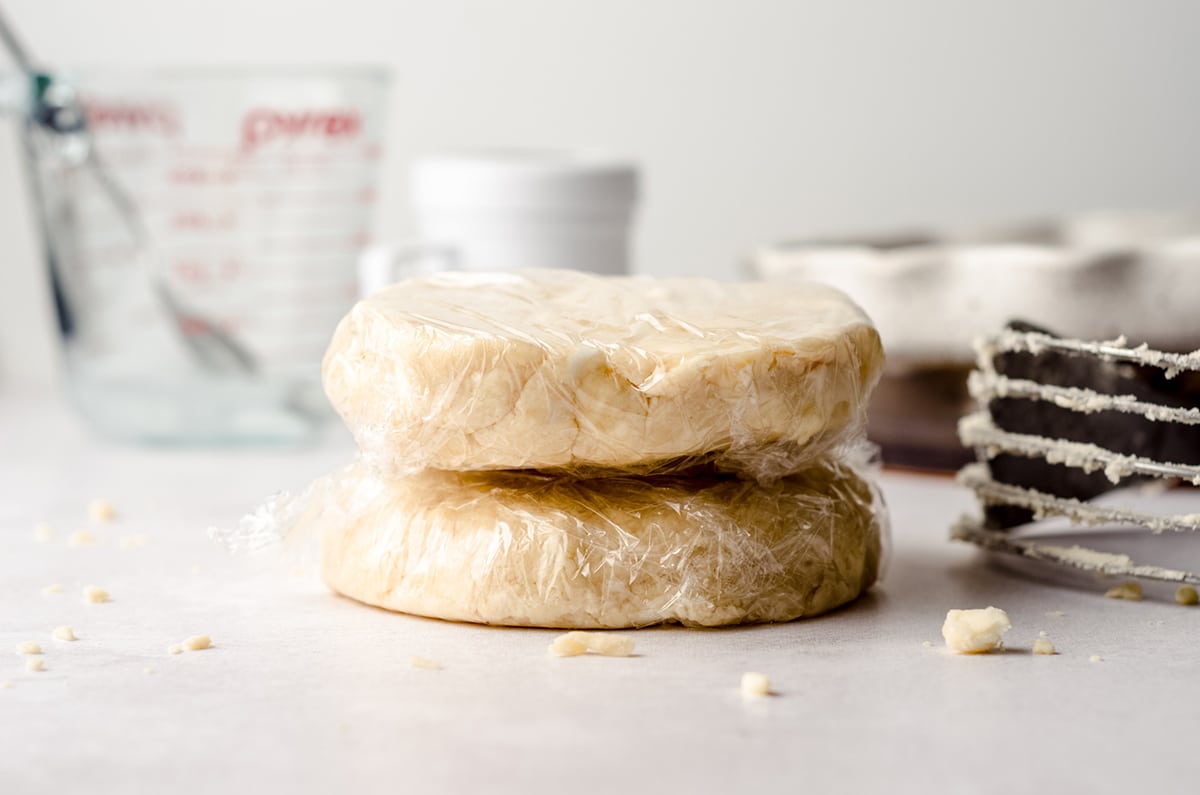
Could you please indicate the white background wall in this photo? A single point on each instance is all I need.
(754, 120)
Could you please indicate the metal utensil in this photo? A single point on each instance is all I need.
(1063, 421)
(56, 121)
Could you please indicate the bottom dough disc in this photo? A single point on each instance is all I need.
(530, 550)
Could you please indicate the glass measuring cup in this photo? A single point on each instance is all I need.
(202, 257)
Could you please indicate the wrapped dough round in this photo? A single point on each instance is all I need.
(561, 370)
(527, 550)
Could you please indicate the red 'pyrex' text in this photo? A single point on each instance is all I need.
(264, 125)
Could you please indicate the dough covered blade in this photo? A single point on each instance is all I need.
(1072, 434)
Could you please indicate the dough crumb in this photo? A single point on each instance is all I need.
(81, 538)
(6, 684)
(65, 633)
(197, 643)
(35, 665)
(573, 644)
(147, 670)
(1130, 591)
(1186, 595)
(975, 631)
(28, 647)
(95, 594)
(175, 648)
(927, 644)
(55, 588)
(1055, 613)
(423, 662)
(1043, 646)
(131, 542)
(42, 532)
(1043, 633)
(1095, 658)
(755, 685)
(101, 510)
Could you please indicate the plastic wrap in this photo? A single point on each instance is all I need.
(701, 549)
(565, 371)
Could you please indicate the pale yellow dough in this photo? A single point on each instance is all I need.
(525, 550)
(755, 685)
(564, 370)
(975, 631)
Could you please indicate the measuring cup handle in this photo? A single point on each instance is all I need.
(384, 264)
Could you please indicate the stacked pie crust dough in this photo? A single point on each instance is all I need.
(550, 448)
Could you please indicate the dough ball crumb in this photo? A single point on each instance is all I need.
(1130, 591)
(975, 631)
(6, 684)
(94, 594)
(1043, 633)
(1055, 613)
(197, 643)
(147, 670)
(65, 633)
(134, 541)
(35, 665)
(571, 644)
(606, 644)
(81, 538)
(424, 662)
(42, 532)
(28, 647)
(101, 510)
(175, 648)
(1043, 646)
(55, 588)
(1186, 595)
(755, 685)
(1095, 658)
(928, 644)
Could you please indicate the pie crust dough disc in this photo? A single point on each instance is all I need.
(527, 550)
(562, 370)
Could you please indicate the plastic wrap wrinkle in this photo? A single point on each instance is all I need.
(565, 371)
(700, 549)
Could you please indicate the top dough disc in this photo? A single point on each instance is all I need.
(546, 369)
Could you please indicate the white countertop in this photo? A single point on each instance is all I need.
(306, 692)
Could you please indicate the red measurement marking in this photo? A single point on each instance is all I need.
(199, 175)
(195, 324)
(189, 176)
(261, 126)
(203, 222)
(149, 117)
(192, 326)
(191, 272)
(199, 273)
